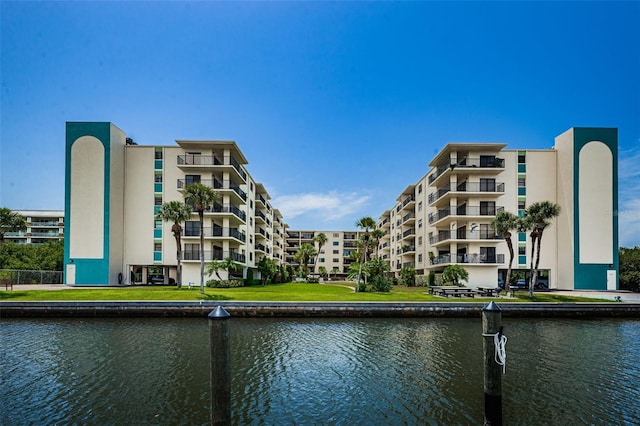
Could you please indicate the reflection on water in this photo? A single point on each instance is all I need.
(309, 372)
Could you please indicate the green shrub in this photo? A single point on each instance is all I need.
(408, 276)
(313, 280)
(380, 284)
(432, 278)
(225, 283)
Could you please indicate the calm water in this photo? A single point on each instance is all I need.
(316, 372)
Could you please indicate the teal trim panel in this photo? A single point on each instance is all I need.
(594, 276)
(88, 271)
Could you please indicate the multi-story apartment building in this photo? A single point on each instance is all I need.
(335, 255)
(43, 226)
(114, 189)
(445, 217)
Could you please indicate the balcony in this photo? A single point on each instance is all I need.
(213, 255)
(198, 161)
(482, 188)
(464, 211)
(260, 199)
(409, 217)
(216, 184)
(463, 235)
(261, 247)
(229, 208)
(404, 265)
(44, 234)
(46, 224)
(216, 232)
(408, 200)
(261, 216)
(472, 259)
(408, 249)
(408, 233)
(484, 163)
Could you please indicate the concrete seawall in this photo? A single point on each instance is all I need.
(314, 309)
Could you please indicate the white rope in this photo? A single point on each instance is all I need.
(500, 354)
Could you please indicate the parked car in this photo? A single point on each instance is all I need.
(542, 284)
(156, 280)
(521, 284)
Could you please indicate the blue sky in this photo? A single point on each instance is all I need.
(356, 95)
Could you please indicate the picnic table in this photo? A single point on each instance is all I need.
(488, 291)
(452, 290)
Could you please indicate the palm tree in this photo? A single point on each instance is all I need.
(176, 212)
(10, 221)
(321, 239)
(305, 252)
(504, 223)
(200, 197)
(228, 264)
(365, 223)
(539, 215)
(376, 234)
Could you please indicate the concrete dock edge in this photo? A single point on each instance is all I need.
(131, 309)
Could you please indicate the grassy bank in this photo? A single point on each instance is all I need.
(289, 292)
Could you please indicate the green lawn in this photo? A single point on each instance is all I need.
(289, 292)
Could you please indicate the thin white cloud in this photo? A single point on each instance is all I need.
(628, 161)
(629, 197)
(324, 207)
(629, 223)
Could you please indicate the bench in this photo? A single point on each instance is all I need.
(7, 282)
(488, 291)
(455, 291)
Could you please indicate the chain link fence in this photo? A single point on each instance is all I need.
(16, 276)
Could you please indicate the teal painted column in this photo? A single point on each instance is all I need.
(595, 156)
(87, 203)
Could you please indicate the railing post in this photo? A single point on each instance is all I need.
(220, 379)
(491, 324)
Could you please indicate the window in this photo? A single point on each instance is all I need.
(522, 182)
(158, 178)
(419, 223)
(335, 260)
(191, 251)
(336, 243)
(420, 206)
(336, 251)
(251, 185)
(420, 189)
(487, 160)
(159, 154)
(191, 228)
(157, 224)
(521, 205)
(522, 158)
(522, 250)
(487, 185)
(420, 258)
(487, 254)
(487, 208)
(189, 179)
(157, 201)
(336, 235)
(157, 246)
(321, 260)
(419, 241)
(251, 203)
